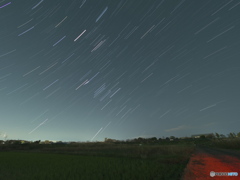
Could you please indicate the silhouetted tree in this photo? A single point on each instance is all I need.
(37, 142)
(140, 139)
(238, 134)
(217, 135)
(231, 135)
(59, 142)
(210, 136)
(153, 139)
(16, 142)
(234, 135)
(47, 142)
(222, 136)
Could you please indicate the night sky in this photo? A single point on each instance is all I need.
(83, 70)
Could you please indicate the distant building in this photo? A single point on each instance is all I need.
(199, 135)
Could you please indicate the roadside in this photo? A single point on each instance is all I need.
(206, 159)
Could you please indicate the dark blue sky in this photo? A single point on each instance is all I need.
(84, 70)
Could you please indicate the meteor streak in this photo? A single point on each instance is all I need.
(96, 134)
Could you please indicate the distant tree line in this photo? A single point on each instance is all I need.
(139, 140)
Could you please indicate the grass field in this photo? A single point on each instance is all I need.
(89, 161)
(227, 143)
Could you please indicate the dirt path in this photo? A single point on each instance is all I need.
(205, 160)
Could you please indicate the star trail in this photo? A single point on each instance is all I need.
(87, 70)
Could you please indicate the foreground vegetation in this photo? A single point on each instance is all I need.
(91, 161)
(226, 143)
(140, 159)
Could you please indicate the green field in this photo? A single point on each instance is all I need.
(91, 161)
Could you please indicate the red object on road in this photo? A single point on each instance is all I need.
(203, 162)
